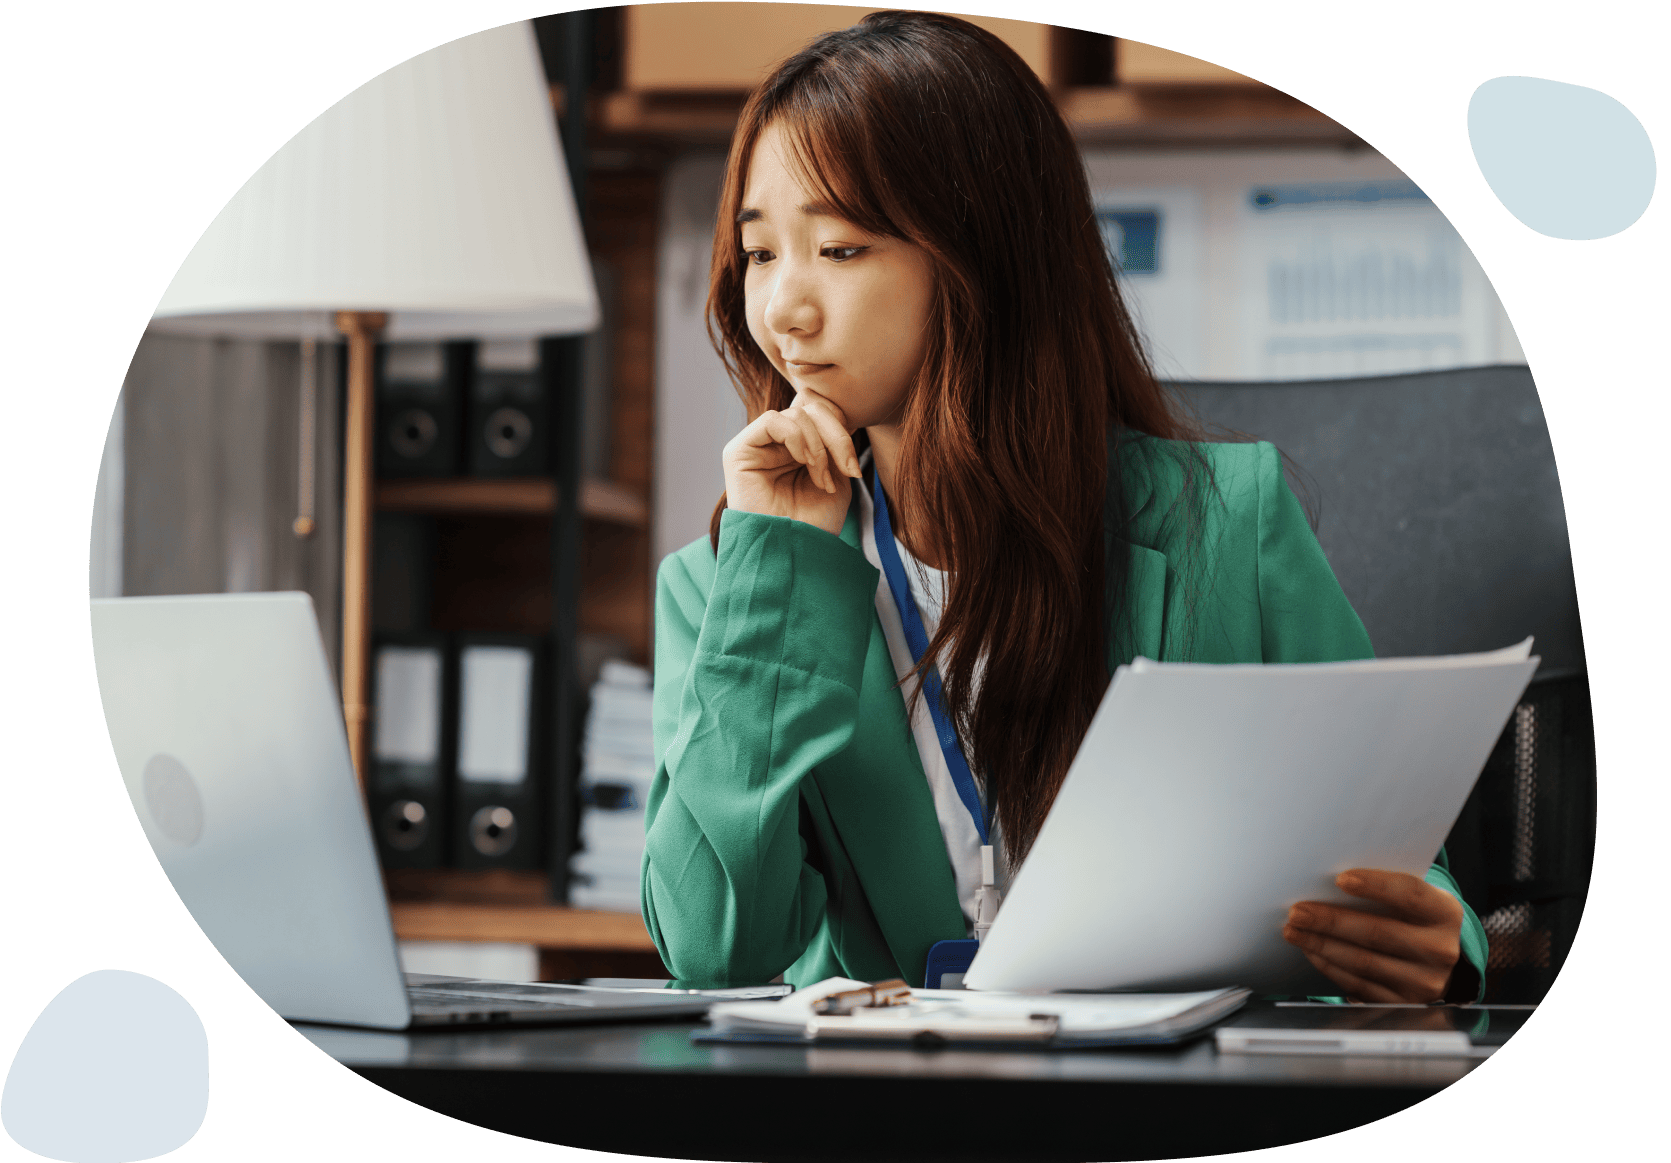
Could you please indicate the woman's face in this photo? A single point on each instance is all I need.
(836, 309)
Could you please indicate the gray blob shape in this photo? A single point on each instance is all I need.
(172, 796)
(1568, 161)
(115, 1069)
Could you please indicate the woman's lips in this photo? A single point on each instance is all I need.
(806, 369)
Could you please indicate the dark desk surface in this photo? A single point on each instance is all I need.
(648, 1089)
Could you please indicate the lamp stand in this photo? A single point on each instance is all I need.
(361, 329)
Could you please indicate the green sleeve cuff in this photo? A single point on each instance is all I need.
(1468, 979)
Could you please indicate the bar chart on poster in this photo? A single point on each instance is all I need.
(1292, 265)
(1358, 278)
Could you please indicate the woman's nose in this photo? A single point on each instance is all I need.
(792, 302)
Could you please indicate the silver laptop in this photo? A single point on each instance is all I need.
(227, 728)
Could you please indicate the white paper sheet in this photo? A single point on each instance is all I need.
(1205, 800)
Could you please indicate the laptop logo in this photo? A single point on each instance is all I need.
(171, 795)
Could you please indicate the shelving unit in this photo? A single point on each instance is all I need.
(554, 556)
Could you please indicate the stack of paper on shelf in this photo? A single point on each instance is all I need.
(936, 1016)
(617, 764)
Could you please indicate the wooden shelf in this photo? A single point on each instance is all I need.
(1203, 114)
(607, 501)
(545, 926)
(1225, 115)
(685, 75)
(686, 118)
(599, 500)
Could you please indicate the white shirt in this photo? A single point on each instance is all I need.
(928, 587)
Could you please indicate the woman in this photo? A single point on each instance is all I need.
(943, 387)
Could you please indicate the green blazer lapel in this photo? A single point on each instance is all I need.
(883, 813)
(1141, 630)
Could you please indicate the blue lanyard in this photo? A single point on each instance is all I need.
(916, 637)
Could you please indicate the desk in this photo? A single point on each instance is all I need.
(647, 1089)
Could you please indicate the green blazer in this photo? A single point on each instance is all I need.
(790, 828)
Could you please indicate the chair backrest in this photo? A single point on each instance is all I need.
(1522, 847)
(1436, 499)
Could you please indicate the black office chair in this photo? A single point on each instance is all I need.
(1436, 499)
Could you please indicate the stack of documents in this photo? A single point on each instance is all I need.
(1205, 801)
(618, 762)
(934, 1017)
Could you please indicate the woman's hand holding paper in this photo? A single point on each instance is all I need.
(1406, 954)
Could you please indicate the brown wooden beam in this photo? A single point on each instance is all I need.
(1208, 115)
(547, 926)
(361, 329)
(1198, 115)
(600, 500)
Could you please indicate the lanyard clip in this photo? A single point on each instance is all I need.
(987, 897)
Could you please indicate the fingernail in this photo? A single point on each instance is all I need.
(1348, 881)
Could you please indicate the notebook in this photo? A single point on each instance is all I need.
(936, 1017)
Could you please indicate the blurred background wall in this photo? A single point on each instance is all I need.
(203, 477)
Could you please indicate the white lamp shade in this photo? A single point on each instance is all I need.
(435, 192)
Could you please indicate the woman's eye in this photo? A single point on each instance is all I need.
(841, 253)
(758, 257)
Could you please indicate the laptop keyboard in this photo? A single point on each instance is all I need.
(475, 993)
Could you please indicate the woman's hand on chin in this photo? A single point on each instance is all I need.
(795, 463)
(1406, 954)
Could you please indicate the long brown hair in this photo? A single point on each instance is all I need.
(927, 128)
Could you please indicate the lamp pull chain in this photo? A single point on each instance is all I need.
(303, 525)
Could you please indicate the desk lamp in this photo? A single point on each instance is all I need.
(431, 203)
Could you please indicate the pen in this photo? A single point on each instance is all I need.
(883, 993)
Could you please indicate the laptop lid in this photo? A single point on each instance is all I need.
(229, 734)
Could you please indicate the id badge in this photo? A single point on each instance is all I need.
(948, 961)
